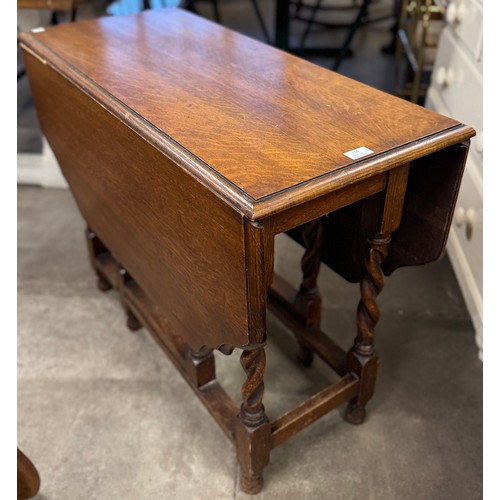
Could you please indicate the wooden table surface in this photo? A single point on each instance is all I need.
(281, 122)
(177, 134)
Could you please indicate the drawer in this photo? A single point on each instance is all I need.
(460, 87)
(434, 102)
(465, 18)
(468, 221)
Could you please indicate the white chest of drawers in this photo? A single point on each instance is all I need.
(456, 90)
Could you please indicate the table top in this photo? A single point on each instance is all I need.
(252, 122)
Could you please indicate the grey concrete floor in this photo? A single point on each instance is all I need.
(104, 415)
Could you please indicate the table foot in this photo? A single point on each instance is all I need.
(253, 430)
(251, 483)
(103, 284)
(133, 324)
(355, 413)
(305, 355)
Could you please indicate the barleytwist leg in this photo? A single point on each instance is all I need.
(368, 313)
(312, 235)
(253, 432)
(308, 299)
(361, 358)
(252, 410)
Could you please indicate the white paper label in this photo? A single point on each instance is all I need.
(358, 153)
(38, 30)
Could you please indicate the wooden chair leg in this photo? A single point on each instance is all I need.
(253, 430)
(54, 18)
(260, 19)
(217, 17)
(28, 479)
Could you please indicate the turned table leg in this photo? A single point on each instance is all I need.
(200, 366)
(124, 279)
(361, 358)
(121, 278)
(96, 248)
(253, 430)
(381, 217)
(308, 299)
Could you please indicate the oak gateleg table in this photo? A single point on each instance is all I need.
(188, 147)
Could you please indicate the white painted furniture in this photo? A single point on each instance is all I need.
(456, 90)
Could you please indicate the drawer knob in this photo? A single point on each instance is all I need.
(445, 76)
(459, 216)
(470, 217)
(455, 14)
(465, 218)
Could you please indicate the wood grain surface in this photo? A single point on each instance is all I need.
(49, 4)
(261, 120)
(181, 243)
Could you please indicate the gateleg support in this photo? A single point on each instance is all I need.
(124, 280)
(200, 366)
(307, 302)
(97, 249)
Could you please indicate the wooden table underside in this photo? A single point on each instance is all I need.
(247, 426)
(198, 368)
